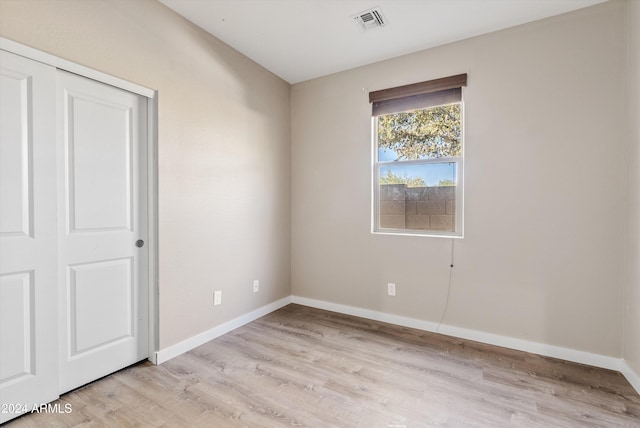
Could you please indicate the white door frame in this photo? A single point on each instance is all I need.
(152, 162)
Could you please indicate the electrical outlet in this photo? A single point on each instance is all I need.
(391, 289)
(256, 285)
(217, 298)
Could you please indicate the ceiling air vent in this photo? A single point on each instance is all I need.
(370, 19)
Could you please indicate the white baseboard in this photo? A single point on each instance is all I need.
(567, 354)
(366, 313)
(186, 345)
(631, 375)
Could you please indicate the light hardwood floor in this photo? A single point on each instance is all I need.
(305, 367)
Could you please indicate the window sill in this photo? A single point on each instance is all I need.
(424, 234)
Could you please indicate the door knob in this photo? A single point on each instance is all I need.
(139, 243)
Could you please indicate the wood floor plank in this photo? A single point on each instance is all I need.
(304, 367)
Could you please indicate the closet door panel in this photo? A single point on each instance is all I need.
(16, 173)
(103, 229)
(28, 236)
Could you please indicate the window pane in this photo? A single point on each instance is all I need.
(418, 197)
(420, 134)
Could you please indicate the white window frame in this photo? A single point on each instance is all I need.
(377, 164)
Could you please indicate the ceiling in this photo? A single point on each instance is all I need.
(303, 39)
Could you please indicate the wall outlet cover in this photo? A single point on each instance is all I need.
(391, 289)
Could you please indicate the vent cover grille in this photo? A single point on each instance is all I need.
(369, 19)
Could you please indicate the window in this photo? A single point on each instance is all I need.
(418, 158)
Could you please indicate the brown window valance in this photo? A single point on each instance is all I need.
(418, 95)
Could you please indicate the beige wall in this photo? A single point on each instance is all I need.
(632, 292)
(542, 256)
(223, 148)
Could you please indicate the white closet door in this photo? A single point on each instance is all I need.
(103, 211)
(28, 230)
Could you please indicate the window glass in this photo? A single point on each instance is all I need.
(420, 134)
(417, 171)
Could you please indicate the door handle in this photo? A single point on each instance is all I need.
(139, 243)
